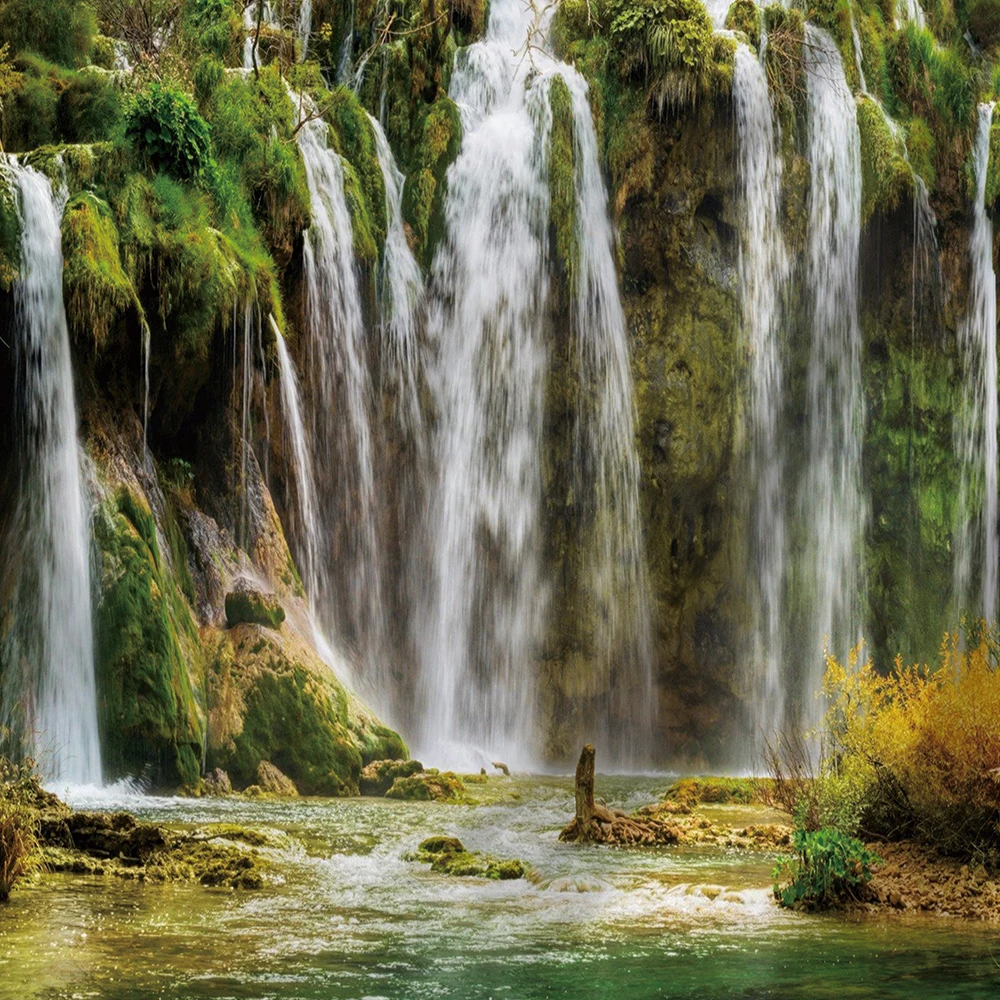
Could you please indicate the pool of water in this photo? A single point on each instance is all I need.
(349, 918)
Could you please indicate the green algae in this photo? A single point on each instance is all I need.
(448, 856)
(428, 786)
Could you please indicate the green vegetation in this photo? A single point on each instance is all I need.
(252, 606)
(428, 786)
(19, 792)
(745, 16)
(562, 183)
(164, 126)
(827, 868)
(60, 30)
(147, 645)
(885, 176)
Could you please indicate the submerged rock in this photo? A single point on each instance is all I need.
(378, 776)
(448, 856)
(428, 786)
(247, 605)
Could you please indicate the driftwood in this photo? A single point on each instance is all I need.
(595, 823)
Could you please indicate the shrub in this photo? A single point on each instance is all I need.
(744, 15)
(919, 749)
(828, 868)
(18, 824)
(163, 124)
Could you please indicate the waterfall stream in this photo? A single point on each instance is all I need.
(487, 604)
(53, 639)
(832, 502)
(337, 369)
(765, 269)
(977, 543)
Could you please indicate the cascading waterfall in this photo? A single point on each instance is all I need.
(306, 502)
(977, 542)
(765, 269)
(400, 288)
(337, 369)
(487, 599)
(606, 461)
(53, 641)
(832, 502)
(483, 625)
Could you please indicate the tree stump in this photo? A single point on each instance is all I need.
(593, 823)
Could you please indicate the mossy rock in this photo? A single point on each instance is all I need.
(423, 192)
(562, 185)
(96, 288)
(271, 781)
(885, 175)
(246, 605)
(428, 786)
(272, 699)
(448, 856)
(10, 236)
(378, 776)
(148, 649)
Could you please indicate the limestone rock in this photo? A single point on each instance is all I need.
(272, 782)
(218, 783)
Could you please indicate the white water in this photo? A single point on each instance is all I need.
(268, 20)
(913, 12)
(607, 463)
(832, 502)
(306, 502)
(483, 625)
(340, 394)
(400, 289)
(977, 541)
(54, 638)
(857, 53)
(765, 268)
(305, 27)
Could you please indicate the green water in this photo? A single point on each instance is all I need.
(351, 919)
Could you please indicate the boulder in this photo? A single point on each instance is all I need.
(378, 776)
(428, 786)
(218, 783)
(271, 781)
(247, 605)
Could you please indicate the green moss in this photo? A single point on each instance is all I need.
(423, 192)
(10, 235)
(288, 716)
(993, 167)
(745, 16)
(254, 607)
(885, 175)
(921, 149)
(147, 652)
(672, 47)
(355, 140)
(562, 182)
(378, 776)
(96, 287)
(51, 104)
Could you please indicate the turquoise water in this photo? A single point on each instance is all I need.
(349, 918)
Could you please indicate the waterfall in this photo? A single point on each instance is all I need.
(268, 20)
(977, 543)
(765, 268)
(340, 394)
(832, 502)
(856, 38)
(400, 288)
(305, 26)
(487, 600)
(52, 647)
(306, 502)
(606, 460)
(914, 12)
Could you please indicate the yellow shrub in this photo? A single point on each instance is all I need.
(920, 749)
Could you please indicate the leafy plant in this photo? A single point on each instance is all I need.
(828, 867)
(163, 124)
